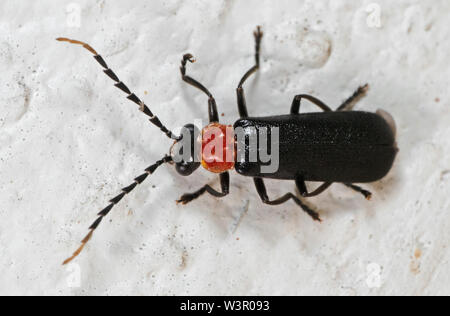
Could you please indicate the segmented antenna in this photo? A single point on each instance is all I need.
(114, 201)
(119, 84)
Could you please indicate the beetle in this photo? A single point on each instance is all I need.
(341, 146)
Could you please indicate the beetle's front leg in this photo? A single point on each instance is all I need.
(225, 186)
(212, 107)
(261, 188)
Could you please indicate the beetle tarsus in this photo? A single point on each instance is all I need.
(186, 198)
(365, 193)
(258, 33)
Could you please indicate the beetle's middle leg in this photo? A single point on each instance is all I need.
(212, 107)
(261, 188)
(357, 96)
(225, 186)
(242, 106)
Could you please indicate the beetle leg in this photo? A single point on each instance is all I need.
(225, 186)
(295, 108)
(351, 102)
(261, 188)
(304, 191)
(242, 106)
(212, 107)
(367, 194)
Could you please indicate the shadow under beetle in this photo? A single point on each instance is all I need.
(341, 146)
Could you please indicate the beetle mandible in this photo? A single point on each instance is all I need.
(341, 146)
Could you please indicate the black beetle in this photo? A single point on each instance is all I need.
(341, 146)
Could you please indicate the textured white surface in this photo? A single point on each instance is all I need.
(69, 141)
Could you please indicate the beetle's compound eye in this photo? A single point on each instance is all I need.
(186, 152)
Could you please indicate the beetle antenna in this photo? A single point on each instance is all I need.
(150, 170)
(119, 84)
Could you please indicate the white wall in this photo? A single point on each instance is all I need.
(69, 141)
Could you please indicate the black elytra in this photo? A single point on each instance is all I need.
(341, 146)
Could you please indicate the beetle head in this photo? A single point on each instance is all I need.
(185, 152)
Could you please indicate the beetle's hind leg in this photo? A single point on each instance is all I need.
(350, 103)
(301, 186)
(348, 106)
(261, 188)
(367, 194)
(295, 107)
(242, 106)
